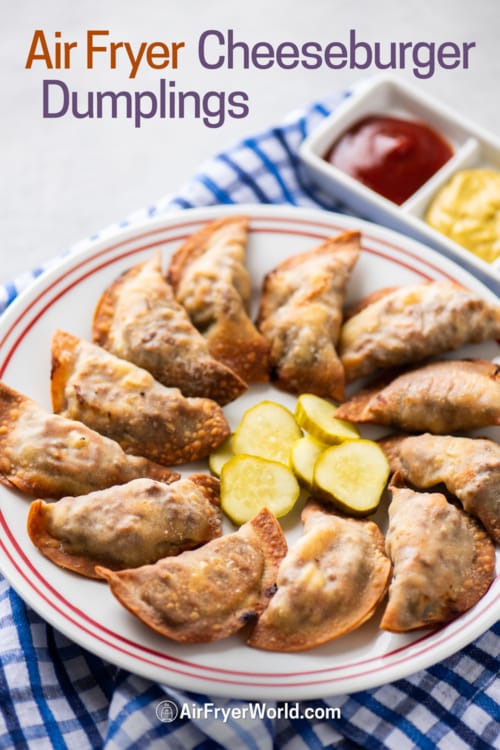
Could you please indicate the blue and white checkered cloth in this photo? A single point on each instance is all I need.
(54, 694)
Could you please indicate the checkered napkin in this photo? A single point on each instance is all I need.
(54, 694)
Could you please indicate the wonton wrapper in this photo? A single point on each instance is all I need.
(469, 467)
(443, 560)
(128, 525)
(441, 397)
(209, 593)
(301, 314)
(138, 318)
(409, 324)
(46, 455)
(329, 583)
(210, 279)
(124, 402)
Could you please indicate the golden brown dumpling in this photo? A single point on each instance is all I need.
(441, 397)
(469, 467)
(210, 279)
(126, 526)
(443, 560)
(329, 583)
(124, 402)
(409, 324)
(46, 455)
(138, 318)
(208, 593)
(301, 313)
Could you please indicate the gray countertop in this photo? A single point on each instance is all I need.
(65, 178)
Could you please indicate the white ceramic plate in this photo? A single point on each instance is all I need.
(85, 610)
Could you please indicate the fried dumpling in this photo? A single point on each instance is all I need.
(124, 402)
(138, 318)
(126, 526)
(46, 455)
(391, 445)
(329, 583)
(210, 279)
(443, 560)
(469, 467)
(410, 323)
(300, 314)
(208, 593)
(441, 397)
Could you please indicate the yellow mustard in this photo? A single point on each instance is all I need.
(467, 210)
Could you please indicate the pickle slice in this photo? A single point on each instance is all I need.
(249, 483)
(317, 417)
(352, 476)
(305, 451)
(268, 430)
(220, 456)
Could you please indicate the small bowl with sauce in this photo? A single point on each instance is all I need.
(391, 155)
(389, 151)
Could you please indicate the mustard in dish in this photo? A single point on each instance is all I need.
(467, 210)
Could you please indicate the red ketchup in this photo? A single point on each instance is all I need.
(394, 157)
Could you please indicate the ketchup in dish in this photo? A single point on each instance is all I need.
(393, 157)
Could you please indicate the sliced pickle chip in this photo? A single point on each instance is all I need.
(220, 456)
(317, 417)
(268, 430)
(352, 476)
(249, 483)
(305, 451)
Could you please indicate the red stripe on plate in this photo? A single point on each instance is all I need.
(101, 633)
(148, 656)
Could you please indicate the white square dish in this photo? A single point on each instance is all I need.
(387, 95)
